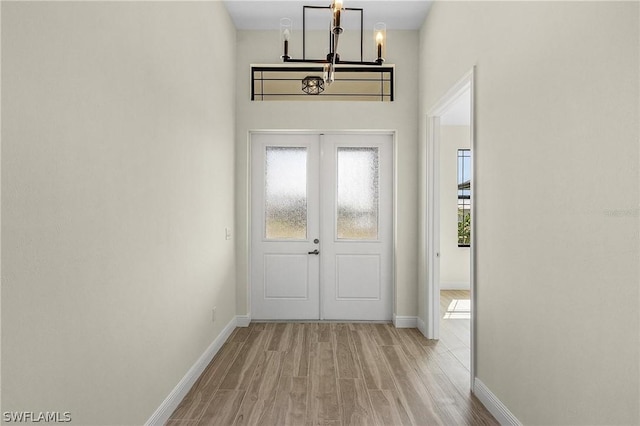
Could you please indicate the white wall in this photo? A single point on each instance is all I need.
(262, 47)
(117, 184)
(455, 262)
(558, 336)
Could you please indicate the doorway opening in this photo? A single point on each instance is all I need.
(321, 226)
(451, 222)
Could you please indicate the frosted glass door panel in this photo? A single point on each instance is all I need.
(285, 193)
(358, 201)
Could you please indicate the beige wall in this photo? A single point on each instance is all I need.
(455, 262)
(557, 131)
(117, 184)
(261, 47)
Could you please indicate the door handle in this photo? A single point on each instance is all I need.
(316, 252)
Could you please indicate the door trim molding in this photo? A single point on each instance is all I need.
(431, 233)
(422, 327)
(394, 188)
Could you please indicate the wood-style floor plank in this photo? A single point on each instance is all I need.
(182, 423)
(323, 332)
(450, 406)
(356, 406)
(375, 371)
(389, 408)
(305, 342)
(294, 374)
(240, 372)
(260, 397)
(322, 405)
(290, 408)
(240, 335)
(410, 388)
(258, 326)
(345, 353)
(292, 351)
(222, 408)
(278, 336)
(383, 335)
(194, 404)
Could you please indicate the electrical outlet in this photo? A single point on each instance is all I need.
(213, 314)
(227, 233)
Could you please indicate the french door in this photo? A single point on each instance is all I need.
(321, 226)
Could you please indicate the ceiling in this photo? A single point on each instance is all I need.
(266, 14)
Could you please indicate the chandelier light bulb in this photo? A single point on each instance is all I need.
(380, 33)
(286, 25)
(337, 9)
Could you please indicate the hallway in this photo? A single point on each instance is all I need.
(331, 374)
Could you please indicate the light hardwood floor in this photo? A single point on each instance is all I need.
(331, 374)
(455, 324)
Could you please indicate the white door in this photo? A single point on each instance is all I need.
(284, 223)
(321, 228)
(357, 182)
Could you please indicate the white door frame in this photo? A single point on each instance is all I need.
(393, 133)
(432, 302)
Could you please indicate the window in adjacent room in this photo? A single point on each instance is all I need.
(464, 197)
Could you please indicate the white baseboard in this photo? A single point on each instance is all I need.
(494, 405)
(243, 320)
(171, 402)
(455, 285)
(404, 322)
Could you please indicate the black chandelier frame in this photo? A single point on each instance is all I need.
(333, 57)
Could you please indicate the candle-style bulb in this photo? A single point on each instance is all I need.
(285, 34)
(337, 8)
(380, 34)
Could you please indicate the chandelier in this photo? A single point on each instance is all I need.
(313, 84)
